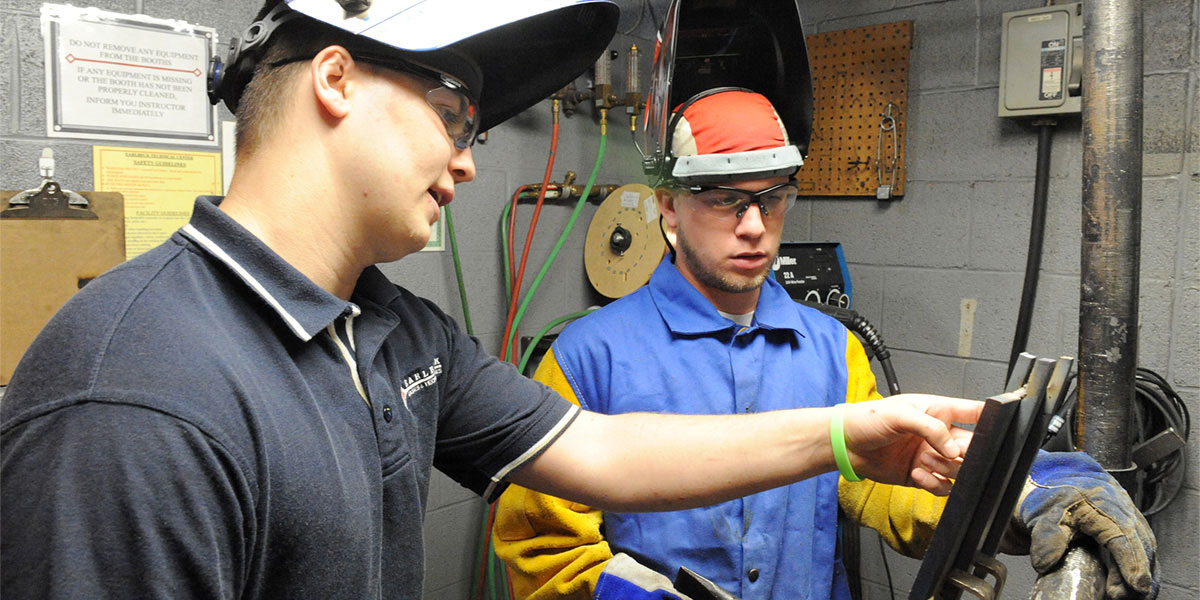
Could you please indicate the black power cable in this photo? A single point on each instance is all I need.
(1037, 232)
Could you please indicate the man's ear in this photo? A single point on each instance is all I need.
(667, 208)
(330, 70)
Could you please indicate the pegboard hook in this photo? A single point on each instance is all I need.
(887, 125)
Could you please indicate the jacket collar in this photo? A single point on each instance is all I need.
(686, 311)
(304, 307)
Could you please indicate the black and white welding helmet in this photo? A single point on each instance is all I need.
(705, 45)
(509, 53)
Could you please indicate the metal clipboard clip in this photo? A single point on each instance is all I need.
(49, 200)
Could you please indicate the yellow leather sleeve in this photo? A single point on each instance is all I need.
(904, 516)
(553, 547)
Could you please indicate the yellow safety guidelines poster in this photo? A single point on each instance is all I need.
(160, 188)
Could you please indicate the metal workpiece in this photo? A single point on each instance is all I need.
(1111, 228)
(1080, 576)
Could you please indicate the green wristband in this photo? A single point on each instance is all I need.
(837, 439)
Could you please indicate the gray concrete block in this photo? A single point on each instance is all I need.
(1061, 247)
(1001, 217)
(1054, 328)
(1170, 29)
(797, 227)
(867, 294)
(72, 164)
(1191, 398)
(1189, 217)
(944, 41)
(1155, 329)
(444, 491)
(990, 22)
(1178, 533)
(1000, 223)
(876, 565)
(1185, 331)
(1169, 591)
(984, 378)
(816, 14)
(956, 136)
(1164, 136)
(9, 97)
(452, 535)
(459, 590)
(484, 282)
(928, 228)
(929, 373)
(922, 311)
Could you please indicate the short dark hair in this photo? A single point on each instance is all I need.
(265, 97)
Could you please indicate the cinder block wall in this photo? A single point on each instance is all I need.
(962, 232)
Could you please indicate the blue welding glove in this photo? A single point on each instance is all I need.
(1069, 494)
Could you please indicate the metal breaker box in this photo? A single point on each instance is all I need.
(1041, 61)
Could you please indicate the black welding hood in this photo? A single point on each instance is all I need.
(706, 44)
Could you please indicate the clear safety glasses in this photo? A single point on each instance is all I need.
(730, 203)
(448, 98)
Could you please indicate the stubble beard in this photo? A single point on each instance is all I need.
(714, 279)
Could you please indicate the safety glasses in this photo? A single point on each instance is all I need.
(448, 98)
(730, 203)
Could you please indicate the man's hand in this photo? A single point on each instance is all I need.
(1069, 494)
(910, 439)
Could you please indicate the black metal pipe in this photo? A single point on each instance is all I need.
(1081, 575)
(1037, 234)
(1111, 232)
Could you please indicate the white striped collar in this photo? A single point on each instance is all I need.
(303, 306)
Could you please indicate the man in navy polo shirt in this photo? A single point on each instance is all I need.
(252, 410)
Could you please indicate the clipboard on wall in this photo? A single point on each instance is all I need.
(52, 242)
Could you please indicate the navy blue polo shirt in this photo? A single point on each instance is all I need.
(204, 421)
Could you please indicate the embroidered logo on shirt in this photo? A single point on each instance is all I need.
(420, 380)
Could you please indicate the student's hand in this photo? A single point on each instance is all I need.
(910, 439)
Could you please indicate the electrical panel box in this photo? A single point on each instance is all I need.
(1041, 61)
(813, 272)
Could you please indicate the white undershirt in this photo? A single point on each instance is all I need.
(743, 320)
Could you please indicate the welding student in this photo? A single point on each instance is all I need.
(252, 410)
(711, 334)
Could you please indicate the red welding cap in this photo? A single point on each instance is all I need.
(730, 134)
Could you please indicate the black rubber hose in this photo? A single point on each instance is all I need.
(1037, 233)
(856, 323)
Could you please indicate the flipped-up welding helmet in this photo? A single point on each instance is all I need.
(509, 54)
(709, 45)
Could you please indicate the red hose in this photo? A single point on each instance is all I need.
(516, 286)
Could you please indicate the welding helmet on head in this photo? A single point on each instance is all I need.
(509, 54)
(706, 45)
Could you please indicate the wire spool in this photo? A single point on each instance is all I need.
(624, 244)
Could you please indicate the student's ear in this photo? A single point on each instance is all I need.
(666, 207)
(330, 70)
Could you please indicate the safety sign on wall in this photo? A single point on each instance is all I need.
(113, 76)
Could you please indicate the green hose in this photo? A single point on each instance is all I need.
(551, 325)
(504, 252)
(587, 190)
(462, 289)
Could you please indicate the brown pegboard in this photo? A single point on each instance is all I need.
(856, 73)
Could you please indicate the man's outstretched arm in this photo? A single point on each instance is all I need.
(651, 462)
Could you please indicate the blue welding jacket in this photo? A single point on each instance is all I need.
(665, 348)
